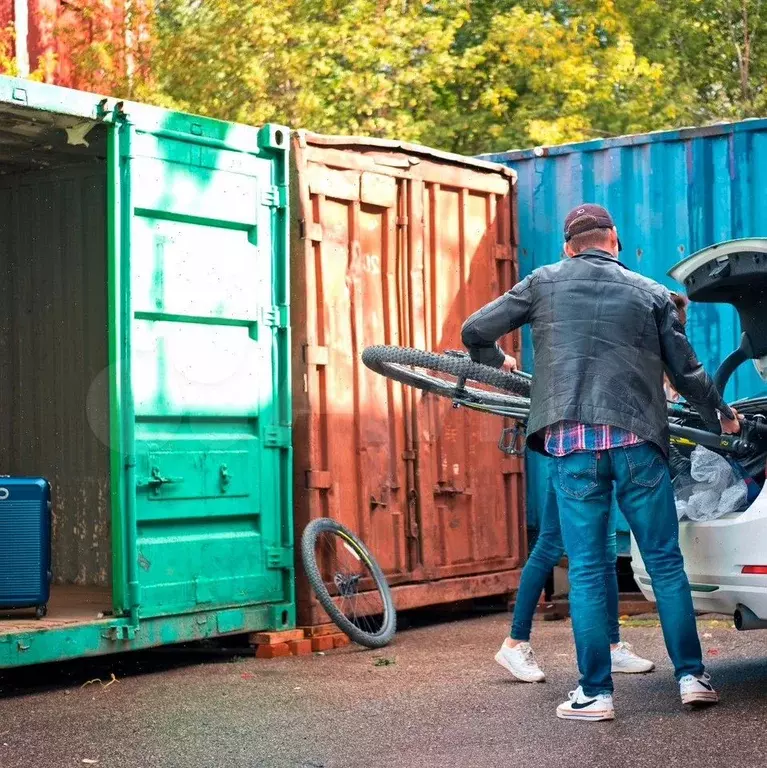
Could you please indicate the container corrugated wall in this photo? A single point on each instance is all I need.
(398, 245)
(671, 193)
(53, 303)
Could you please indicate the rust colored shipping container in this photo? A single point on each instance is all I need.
(398, 244)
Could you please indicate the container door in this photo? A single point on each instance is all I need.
(350, 422)
(470, 493)
(207, 413)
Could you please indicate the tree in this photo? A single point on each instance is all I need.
(467, 75)
(8, 63)
(551, 72)
(107, 44)
(717, 50)
(352, 67)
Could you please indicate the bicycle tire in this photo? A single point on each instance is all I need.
(394, 362)
(309, 538)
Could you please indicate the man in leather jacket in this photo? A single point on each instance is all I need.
(603, 337)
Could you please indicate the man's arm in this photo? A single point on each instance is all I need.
(686, 372)
(480, 333)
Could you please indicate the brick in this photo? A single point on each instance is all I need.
(319, 631)
(324, 643)
(272, 651)
(300, 647)
(275, 638)
(341, 641)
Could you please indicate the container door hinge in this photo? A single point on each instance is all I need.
(503, 252)
(314, 355)
(276, 196)
(310, 231)
(277, 316)
(319, 480)
(278, 437)
(279, 558)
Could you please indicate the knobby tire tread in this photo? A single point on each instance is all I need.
(381, 359)
(308, 554)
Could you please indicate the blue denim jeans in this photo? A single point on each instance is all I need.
(547, 552)
(584, 485)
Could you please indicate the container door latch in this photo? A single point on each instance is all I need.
(156, 480)
(224, 478)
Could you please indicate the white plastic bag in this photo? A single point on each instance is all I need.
(710, 489)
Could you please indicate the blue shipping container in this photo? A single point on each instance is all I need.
(671, 193)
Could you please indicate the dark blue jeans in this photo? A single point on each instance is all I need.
(584, 486)
(547, 552)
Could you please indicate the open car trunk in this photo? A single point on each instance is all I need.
(726, 554)
(733, 273)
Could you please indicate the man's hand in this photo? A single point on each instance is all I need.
(509, 363)
(730, 426)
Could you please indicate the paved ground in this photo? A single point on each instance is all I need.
(440, 702)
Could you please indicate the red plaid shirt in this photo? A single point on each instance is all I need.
(567, 437)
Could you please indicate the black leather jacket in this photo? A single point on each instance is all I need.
(603, 336)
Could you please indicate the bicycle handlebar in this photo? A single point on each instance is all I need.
(737, 444)
(757, 425)
(741, 444)
(753, 427)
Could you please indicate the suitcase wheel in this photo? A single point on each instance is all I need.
(41, 611)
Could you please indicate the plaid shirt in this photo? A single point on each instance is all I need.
(566, 437)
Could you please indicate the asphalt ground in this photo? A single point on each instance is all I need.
(434, 698)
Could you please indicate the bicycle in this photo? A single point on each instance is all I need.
(446, 375)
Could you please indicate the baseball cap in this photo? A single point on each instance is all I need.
(585, 218)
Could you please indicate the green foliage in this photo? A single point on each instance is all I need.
(467, 75)
(8, 64)
(354, 67)
(714, 50)
(537, 75)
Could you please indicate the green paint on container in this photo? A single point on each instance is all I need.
(147, 277)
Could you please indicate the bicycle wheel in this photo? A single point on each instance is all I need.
(417, 368)
(349, 583)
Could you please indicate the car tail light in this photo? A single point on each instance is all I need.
(755, 569)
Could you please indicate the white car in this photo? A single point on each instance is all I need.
(726, 558)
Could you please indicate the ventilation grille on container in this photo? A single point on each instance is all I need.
(20, 551)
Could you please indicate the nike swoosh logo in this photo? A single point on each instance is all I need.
(582, 704)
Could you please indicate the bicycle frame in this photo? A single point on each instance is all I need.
(742, 444)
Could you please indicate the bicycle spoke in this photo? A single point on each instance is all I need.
(343, 572)
(348, 583)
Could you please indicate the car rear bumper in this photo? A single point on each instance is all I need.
(715, 553)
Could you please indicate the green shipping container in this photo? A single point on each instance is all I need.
(145, 356)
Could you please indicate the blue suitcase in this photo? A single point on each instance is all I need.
(25, 543)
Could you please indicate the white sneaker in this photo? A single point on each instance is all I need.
(626, 661)
(697, 691)
(520, 661)
(582, 707)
